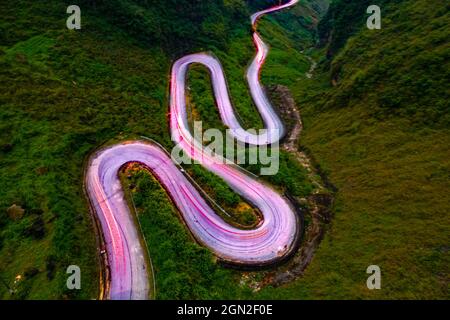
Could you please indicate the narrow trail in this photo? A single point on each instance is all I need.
(319, 203)
(271, 241)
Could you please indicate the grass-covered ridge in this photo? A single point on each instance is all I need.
(63, 94)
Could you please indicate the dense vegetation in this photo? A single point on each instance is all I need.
(382, 134)
(177, 26)
(343, 19)
(63, 94)
(375, 119)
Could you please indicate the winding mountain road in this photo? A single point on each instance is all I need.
(270, 241)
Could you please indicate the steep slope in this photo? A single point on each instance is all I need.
(375, 119)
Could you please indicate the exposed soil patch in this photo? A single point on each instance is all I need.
(316, 207)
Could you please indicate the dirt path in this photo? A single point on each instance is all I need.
(316, 207)
(313, 67)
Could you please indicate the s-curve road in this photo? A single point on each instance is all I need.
(270, 241)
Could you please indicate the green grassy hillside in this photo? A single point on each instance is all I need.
(382, 134)
(64, 93)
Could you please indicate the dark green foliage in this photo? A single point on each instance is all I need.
(237, 209)
(344, 18)
(178, 26)
(35, 227)
(31, 272)
(380, 133)
(7, 147)
(382, 136)
(64, 93)
(299, 22)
